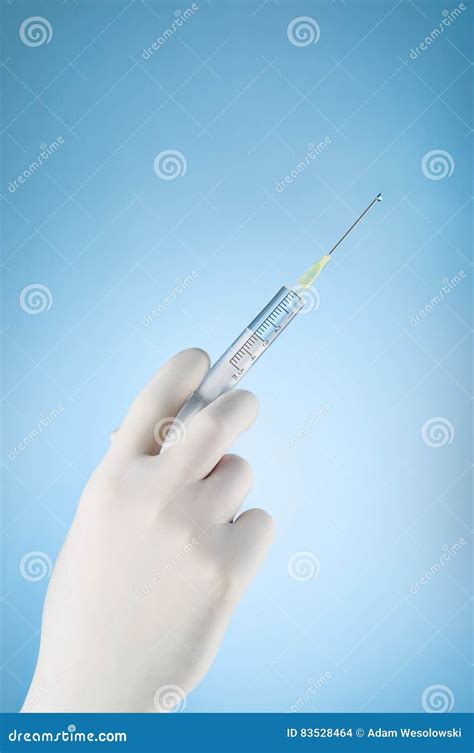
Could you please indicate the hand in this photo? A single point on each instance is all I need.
(155, 561)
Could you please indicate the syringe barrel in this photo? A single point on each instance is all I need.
(244, 351)
(250, 344)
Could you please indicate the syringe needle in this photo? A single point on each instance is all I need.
(374, 201)
(315, 270)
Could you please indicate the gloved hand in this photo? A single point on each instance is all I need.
(155, 561)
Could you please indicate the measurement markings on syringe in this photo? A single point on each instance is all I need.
(265, 333)
(279, 312)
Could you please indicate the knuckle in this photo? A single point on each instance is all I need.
(263, 522)
(246, 399)
(193, 353)
(244, 469)
(209, 423)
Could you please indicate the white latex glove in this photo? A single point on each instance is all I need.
(154, 563)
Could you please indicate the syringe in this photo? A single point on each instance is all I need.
(255, 339)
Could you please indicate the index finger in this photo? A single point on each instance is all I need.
(211, 432)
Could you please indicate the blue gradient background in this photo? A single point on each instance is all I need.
(361, 490)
